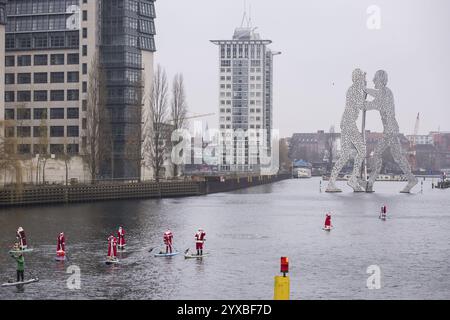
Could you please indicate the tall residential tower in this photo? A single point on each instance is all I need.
(245, 98)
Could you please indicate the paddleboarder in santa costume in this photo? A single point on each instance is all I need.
(21, 238)
(121, 237)
(327, 225)
(168, 240)
(61, 245)
(199, 240)
(112, 248)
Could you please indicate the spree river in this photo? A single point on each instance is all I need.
(247, 232)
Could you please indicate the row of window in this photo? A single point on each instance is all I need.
(42, 113)
(24, 7)
(71, 148)
(252, 110)
(42, 95)
(46, 40)
(42, 77)
(42, 131)
(42, 59)
(241, 51)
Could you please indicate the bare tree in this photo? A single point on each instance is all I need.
(98, 147)
(178, 109)
(155, 125)
(9, 161)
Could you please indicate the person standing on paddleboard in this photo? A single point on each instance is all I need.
(121, 237)
(21, 238)
(168, 240)
(199, 240)
(112, 247)
(327, 221)
(61, 245)
(20, 266)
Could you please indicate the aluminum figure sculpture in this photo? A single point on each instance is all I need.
(384, 103)
(352, 143)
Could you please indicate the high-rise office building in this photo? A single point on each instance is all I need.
(50, 47)
(245, 98)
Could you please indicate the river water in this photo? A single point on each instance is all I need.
(247, 232)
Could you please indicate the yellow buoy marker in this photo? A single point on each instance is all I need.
(282, 284)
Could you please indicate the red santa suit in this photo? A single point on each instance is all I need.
(199, 239)
(21, 238)
(168, 239)
(121, 237)
(328, 221)
(61, 245)
(112, 247)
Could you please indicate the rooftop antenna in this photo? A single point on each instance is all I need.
(244, 16)
(249, 21)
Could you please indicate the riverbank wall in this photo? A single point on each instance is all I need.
(48, 194)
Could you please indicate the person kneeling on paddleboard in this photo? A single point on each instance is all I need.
(168, 240)
(20, 266)
(121, 237)
(112, 247)
(327, 221)
(61, 245)
(21, 238)
(199, 240)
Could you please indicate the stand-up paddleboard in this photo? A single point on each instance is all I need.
(112, 261)
(327, 229)
(162, 254)
(21, 251)
(60, 258)
(194, 255)
(382, 218)
(12, 284)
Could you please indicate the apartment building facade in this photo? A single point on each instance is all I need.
(50, 47)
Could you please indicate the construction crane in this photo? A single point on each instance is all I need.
(196, 116)
(412, 144)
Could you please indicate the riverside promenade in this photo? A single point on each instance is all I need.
(46, 194)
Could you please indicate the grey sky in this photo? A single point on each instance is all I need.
(321, 42)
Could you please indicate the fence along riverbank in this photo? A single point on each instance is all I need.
(48, 194)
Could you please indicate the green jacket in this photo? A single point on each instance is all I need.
(20, 263)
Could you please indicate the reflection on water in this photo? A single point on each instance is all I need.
(247, 231)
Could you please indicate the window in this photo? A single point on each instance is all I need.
(57, 59)
(23, 114)
(24, 148)
(57, 77)
(84, 50)
(73, 76)
(9, 132)
(40, 60)
(72, 148)
(9, 96)
(40, 148)
(9, 78)
(73, 58)
(57, 131)
(84, 68)
(9, 114)
(23, 61)
(57, 113)
(84, 87)
(73, 95)
(56, 148)
(57, 40)
(84, 105)
(84, 15)
(40, 77)
(39, 113)
(73, 113)
(40, 132)
(84, 33)
(23, 96)
(23, 78)
(10, 61)
(40, 95)
(57, 95)
(72, 131)
(24, 132)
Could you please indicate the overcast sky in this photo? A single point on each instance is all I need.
(321, 42)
